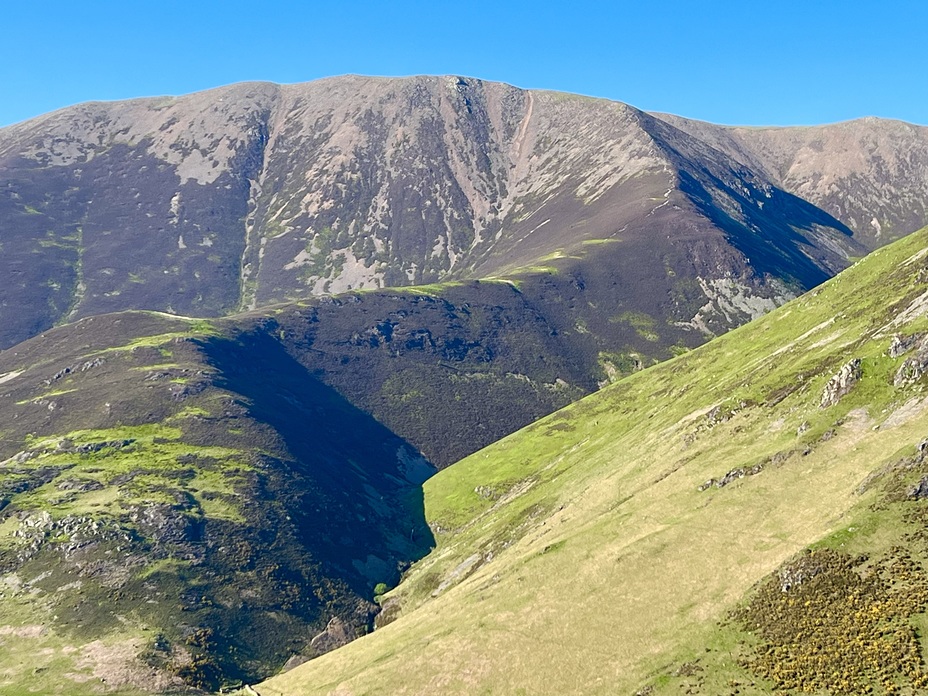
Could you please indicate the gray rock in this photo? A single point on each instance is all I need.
(293, 662)
(920, 490)
(336, 634)
(91, 447)
(79, 485)
(165, 524)
(732, 476)
(912, 370)
(900, 345)
(841, 384)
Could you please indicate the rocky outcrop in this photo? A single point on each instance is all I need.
(914, 367)
(732, 476)
(841, 384)
(920, 490)
(336, 634)
(799, 571)
(900, 345)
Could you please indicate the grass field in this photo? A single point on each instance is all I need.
(584, 554)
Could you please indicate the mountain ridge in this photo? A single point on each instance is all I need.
(257, 193)
(802, 160)
(571, 242)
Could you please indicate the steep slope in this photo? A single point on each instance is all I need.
(601, 549)
(187, 508)
(449, 369)
(211, 480)
(872, 174)
(257, 193)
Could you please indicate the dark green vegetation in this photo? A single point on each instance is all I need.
(745, 518)
(846, 629)
(454, 368)
(217, 508)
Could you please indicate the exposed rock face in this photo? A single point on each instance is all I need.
(732, 476)
(841, 384)
(800, 571)
(914, 367)
(901, 345)
(256, 193)
(335, 635)
(920, 490)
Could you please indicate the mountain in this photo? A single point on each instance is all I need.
(188, 508)
(243, 327)
(745, 518)
(244, 196)
(872, 174)
(172, 487)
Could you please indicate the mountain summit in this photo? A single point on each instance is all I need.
(242, 196)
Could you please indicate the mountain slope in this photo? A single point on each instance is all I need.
(601, 549)
(872, 174)
(204, 482)
(257, 193)
(190, 507)
(156, 467)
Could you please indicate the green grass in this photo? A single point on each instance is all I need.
(50, 655)
(152, 459)
(31, 645)
(427, 289)
(595, 242)
(196, 328)
(579, 555)
(46, 395)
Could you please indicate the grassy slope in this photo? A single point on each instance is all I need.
(579, 556)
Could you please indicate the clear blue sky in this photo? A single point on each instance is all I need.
(777, 62)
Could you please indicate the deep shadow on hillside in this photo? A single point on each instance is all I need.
(787, 248)
(449, 371)
(202, 499)
(358, 505)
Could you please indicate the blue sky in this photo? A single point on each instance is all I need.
(782, 62)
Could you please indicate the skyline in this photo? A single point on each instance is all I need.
(728, 62)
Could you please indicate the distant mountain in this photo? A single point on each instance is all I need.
(872, 174)
(243, 196)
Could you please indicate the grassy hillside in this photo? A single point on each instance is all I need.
(726, 521)
(185, 508)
